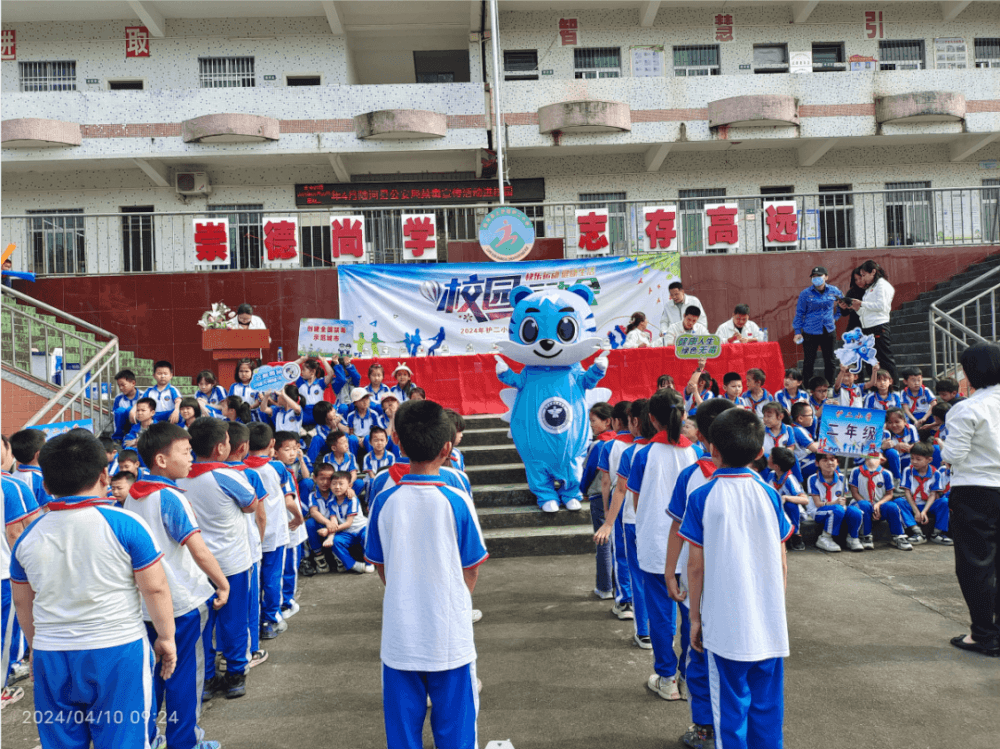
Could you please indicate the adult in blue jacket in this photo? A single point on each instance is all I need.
(815, 322)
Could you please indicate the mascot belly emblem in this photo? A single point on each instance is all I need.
(550, 332)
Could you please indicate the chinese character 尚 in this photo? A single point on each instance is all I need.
(279, 239)
(722, 228)
(593, 231)
(660, 229)
(347, 238)
(210, 241)
(136, 41)
(782, 223)
(420, 231)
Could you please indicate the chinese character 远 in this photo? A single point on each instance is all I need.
(782, 223)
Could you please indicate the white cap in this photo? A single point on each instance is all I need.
(358, 394)
(388, 396)
(401, 365)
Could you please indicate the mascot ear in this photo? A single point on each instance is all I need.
(583, 291)
(519, 293)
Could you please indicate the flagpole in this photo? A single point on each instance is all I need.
(497, 116)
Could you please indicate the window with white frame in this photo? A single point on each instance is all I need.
(909, 219)
(828, 57)
(991, 209)
(770, 58)
(617, 216)
(988, 52)
(836, 216)
(698, 59)
(520, 65)
(58, 241)
(226, 72)
(597, 62)
(48, 76)
(901, 54)
(138, 243)
(246, 234)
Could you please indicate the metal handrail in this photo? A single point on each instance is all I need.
(85, 395)
(956, 335)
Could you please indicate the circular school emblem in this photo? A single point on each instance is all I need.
(506, 234)
(555, 415)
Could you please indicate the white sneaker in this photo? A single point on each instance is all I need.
(868, 542)
(476, 615)
(604, 595)
(550, 506)
(665, 688)
(854, 544)
(291, 610)
(358, 567)
(826, 543)
(623, 611)
(901, 543)
(573, 505)
(369, 568)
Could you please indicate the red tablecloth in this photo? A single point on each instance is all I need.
(469, 383)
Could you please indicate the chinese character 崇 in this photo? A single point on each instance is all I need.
(280, 240)
(210, 241)
(593, 231)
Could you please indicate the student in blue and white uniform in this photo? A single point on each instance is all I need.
(90, 650)
(404, 382)
(898, 438)
(781, 463)
(803, 421)
(220, 495)
(312, 384)
(241, 386)
(457, 459)
(125, 401)
(167, 397)
(792, 392)
(924, 489)
(757, 395)
(328, 420)
(340, 519)
(612, 530)
(845, 391)
(26, 446)
(377, 458)
(209, 391)
(342, 459)
(830, 505)
(288, 452)
(881, 397)
(345, 378)
(362, 417)
(376, 387)
(916, 399)
(872, 483)
(590, 484)
(736, 574)
(427, 642)
(189, 566)
(284, 408)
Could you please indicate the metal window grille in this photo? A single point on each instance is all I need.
(991, 210)
(769, 195)
(226, 72)
(246, 234)
(770, 58)
(58, 241)
(48, 76)
(597, 62)
(302, 80)
(435, 77)
(827, 57)
(901, 54)
(694, 233)
(384, 232)
(317, 246)
(537, 215)
(836, 216)
(136, 85)
(909, 218)
(694, 60)
(138, 243)
(520, 65)
(988, 52)
(617, 216)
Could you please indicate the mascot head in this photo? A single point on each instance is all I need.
(551, 327)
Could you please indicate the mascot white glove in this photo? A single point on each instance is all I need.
(501, 364)
(602, 359)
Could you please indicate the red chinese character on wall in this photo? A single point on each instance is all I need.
(567, 31)
(782, 223)
(136, 41)
(280, 241)
(724, 27)
(722, 227)
(8, 43)
(211, 241)
(593, 231)
(660, 228)
(348, 238)
(421, 235)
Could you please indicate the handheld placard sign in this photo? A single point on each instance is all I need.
(851, 432)
(269, 379)
(697, 346)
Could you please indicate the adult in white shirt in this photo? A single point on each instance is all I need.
(246, 320)
(874, 309)
(637, 333)
(689, 325)
(739, 328)
(676, 308)
(973, 450)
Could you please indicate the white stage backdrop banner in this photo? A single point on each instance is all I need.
(467, 305)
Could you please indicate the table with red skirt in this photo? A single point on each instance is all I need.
(469, 383)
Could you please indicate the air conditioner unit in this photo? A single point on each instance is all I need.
(192, 183)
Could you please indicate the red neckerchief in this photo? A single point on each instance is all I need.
(707, 466)
(55, 505)
(628, 438)
(829, 487)
(921, 482)
(816, 406)
(256, 461)
(199, 469)
(882, 400)
(605, 436)
(398, 470)
(782, 479)
(749, 397)
(661, 438)
(142, 489)
(871, 481)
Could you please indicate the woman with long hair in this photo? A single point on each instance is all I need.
(874, 309)
(636, 335)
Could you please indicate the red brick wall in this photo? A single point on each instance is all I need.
(18, 405)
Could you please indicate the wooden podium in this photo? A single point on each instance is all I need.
(229, 346)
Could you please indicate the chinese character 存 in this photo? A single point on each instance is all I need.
(347, 239)
(567, 31)
(210, 241)
(420, 230)
(8, 43)
(593, 231)
(782, 223)
(136, 41)
(722, 228)
(279, 239)
(660, 228)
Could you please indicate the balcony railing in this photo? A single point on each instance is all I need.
(76, 243)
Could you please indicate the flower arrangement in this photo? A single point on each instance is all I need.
(217, 317)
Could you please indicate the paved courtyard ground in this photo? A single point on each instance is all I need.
(870, 664)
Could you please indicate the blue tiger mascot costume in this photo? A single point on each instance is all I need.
(551, 330)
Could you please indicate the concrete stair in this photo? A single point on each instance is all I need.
(512, 523)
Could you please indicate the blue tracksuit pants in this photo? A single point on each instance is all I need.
(748, 702)
(794, 512)
(272, 567)
(619, 563)
(662, 612)
(230, 624)
(290, 576)
(182, 691)
(635, 574)
(253, 611)
(455, 701)
(830, 517)
(694, 668)
(603, 580)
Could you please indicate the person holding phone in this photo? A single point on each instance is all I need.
(815, 320)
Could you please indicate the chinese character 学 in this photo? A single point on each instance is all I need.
(210, 241)
(347, 238)
(567, 31)
(593, 231)
(782, 223)
(279, 239)
(136, 41)
(420, 230)
(722, 228)
(660, 228)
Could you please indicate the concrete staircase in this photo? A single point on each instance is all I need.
(512, 523)
(910, 326)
